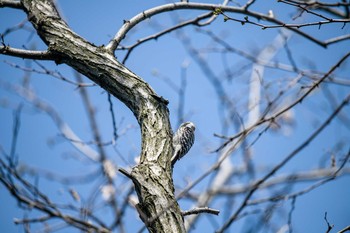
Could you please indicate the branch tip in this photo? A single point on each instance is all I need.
(125, 173)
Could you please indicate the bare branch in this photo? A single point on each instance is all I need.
(345, 229)
(26, 54)
(65, 129)
(201, 210)
(297, 101)
(107, 167)
(46, 71)
(159, 34)
(317, 3)
(33, 220)
(288, 25)
(294, 27)
(115, 134)
(248, 4)
(217, 9)
(61, 178)
(337, 39)
(312, 74)
(305, 9)
(312, 175)
(20, 25)
(196, 21)
(330, 177)
(40, 201)
(329, 226)
(11, 4)
(129, 24)
(13, 160)
(284, 161)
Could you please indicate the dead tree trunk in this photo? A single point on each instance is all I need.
(153, 176)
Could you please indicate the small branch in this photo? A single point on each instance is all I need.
(32, 220)
(330, 227)
(16, 126)
(283, 162)
(63, 127)
(307, 176)
(345, 229)
(312, 74)
(218, 9)
(19, 26)
(30, 196)
(293, 27)
(282, 111)
(91, 114)
(115, 134)
(64, 179)
(126, 173)
(215, 8)
(11, 4)
(305, 9)
(107, 167)
(331, 177)
(181, 94)
(195, 21)
(318, 3)
(200, 210)
(322, 6)
(123, 208)
(290, 225)
(26, 54)
(46, 71)
(337, 39)
(248, 4)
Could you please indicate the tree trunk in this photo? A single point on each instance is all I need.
(153, 176)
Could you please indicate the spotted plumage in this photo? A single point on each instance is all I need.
(183, 141)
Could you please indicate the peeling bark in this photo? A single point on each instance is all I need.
(153, 176)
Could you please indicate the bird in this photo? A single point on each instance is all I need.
(183, 141)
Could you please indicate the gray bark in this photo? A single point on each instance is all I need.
(153, 176)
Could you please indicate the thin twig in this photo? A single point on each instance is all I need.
(41, 202)
(331, 177)
(329, 226)
(283, 162)
(13, 160)
(115, 134)
(282, 111)
(46, 71)
(161, 33)
(64, 128)
(200, 210)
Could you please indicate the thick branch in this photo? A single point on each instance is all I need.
(152, 176)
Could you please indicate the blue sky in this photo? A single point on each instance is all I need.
(41, 146)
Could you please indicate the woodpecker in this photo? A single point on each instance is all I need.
(183, 141)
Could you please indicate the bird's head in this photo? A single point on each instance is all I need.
(189, 125)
